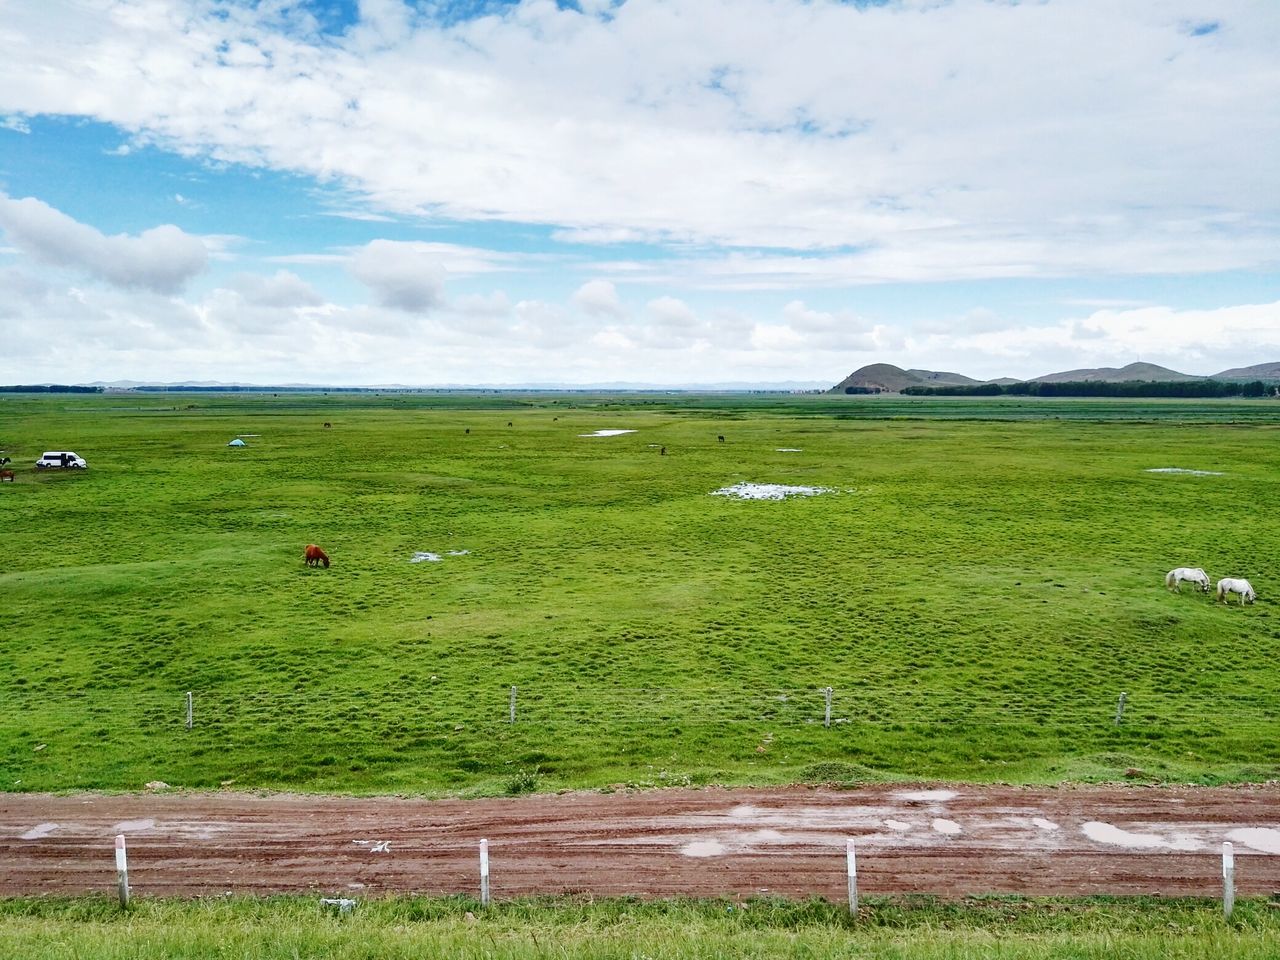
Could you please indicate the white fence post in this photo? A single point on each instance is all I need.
(511, 707)
(484, 873)
(1228, 880)
(122, 872)
(1120, 707)
(826, 716)
(852, 862)
(189, 713)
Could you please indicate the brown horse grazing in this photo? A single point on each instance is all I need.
(313, 556)
(6, 475)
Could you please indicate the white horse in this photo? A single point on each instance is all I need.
(1173, 579)
(1242, 587)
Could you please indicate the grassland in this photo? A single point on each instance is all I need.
(983, 582)
(287, 928)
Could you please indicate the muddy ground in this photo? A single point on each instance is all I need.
(790, 842)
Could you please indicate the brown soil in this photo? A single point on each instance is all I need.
(713, 842)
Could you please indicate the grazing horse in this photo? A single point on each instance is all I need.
(1228, 586)
(1173, 579)
(313, 556)
(6, 475)
(720, 438)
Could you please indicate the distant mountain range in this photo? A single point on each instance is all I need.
(890, 379)
(728, 386)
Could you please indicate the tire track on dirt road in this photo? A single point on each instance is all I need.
(947, 841)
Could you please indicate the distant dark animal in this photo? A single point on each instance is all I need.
(313, 556)
(508, 423)
(663, 451)
(327, 425)
(721, 438)
(4, 460)
(468, 430)
(6, 475)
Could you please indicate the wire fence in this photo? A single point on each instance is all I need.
(562, 707)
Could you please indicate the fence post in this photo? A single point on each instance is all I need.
(826, 716)
(511, 707)
(484, 873)
(1228, 880)
(122, 872)
(852, 863)
(189, 714)
(1120, 707)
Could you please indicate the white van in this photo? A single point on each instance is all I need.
(57, 460)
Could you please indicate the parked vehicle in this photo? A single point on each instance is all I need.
(61, 460)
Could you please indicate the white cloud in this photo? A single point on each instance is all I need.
(281, 289)
(671, 313)
(961, 139)
(1200, 342)
(599, 298)
(401, 275)
(161, 259)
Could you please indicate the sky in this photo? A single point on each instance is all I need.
(668, 192)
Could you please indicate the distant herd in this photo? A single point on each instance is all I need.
(1197, 577)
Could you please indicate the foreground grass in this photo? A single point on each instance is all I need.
(288, 928)
(983, 584)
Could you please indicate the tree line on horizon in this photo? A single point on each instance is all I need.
(1098, 388)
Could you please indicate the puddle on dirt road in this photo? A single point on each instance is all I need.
(38, 831)
(1105, 833)
(134, 826)
(1263, 839)
(925, 796)
(703, 848)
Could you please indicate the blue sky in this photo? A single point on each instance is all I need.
(669, 191)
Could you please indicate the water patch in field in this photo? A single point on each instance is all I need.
(1106, 833)
(768, 491)
(606, 433)
(948, 827)
(38, 831)
(426, 556)
(1193, 473)
(788, 450)
(897, 825)
(1044, 824)
(1263, 839)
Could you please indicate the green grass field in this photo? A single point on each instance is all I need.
(982, 584)
(917, 928)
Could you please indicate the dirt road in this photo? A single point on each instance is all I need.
(712, 842)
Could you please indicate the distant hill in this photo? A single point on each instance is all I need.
(1134, 371)
(886, 378)
(1259, 371)
(945, 379)
(879, 376)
